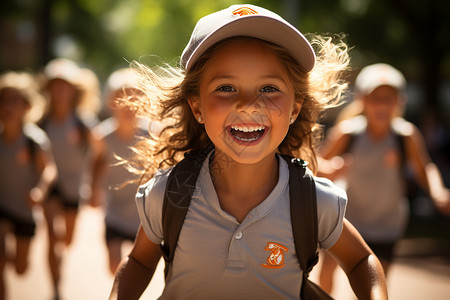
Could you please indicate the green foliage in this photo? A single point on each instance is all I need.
(106, 34)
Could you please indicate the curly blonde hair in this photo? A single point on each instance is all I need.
(168, 89)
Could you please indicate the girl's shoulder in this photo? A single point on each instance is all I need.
(327, 191)
(403, 128)
(352, 126)
(149, 202)
(331, 206)
(36, 135)
(105, 127)
(156, 185)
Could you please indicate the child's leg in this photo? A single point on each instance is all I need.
(3, 258)
(22, 251)
(115, 254)
(70, 216)
(326, 272)
(23, 233)
(52, 210)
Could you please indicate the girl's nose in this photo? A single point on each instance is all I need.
(249, 103)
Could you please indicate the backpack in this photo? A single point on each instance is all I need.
(180, 188)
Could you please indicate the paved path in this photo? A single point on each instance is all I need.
(86, 277)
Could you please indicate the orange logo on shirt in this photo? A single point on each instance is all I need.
(244, 11)
(276, 257)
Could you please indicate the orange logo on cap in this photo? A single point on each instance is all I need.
(244, 11)
(276, 257)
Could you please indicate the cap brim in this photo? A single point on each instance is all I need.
(264, 28)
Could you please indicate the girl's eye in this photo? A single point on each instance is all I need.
(226, 88)
(269, 89)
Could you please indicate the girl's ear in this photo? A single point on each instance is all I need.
(194, 104)
(296, 108)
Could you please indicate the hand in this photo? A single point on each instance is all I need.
(36, 196)
(442, 201)
(96, 198)
(334, 167)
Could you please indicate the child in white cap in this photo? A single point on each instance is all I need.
(70, 114)
(112, 185)
(27, 168)
(251, 86)
(377, 144)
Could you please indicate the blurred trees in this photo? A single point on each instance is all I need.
(104, 34)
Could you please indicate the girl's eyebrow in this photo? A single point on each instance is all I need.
(221, 77)
(269, 76)
(276, 77)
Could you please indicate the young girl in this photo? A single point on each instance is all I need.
(72, 103)
(375, 181)
(249, 86)
(110, 187)
(27, 167)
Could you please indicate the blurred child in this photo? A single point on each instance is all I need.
(68, 120)
(27, 167)
(251, 86)
(112, 182)
(377, 145)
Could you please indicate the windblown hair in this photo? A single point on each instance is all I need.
(168, 89)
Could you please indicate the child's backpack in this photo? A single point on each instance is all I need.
(180, 188)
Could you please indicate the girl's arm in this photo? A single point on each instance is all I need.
(330, 162)
(98, 168)
(48, 173)
(136, 270)
(426, 172)
(362, 267)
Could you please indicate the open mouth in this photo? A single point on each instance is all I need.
(247, 133)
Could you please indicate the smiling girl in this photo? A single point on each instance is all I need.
(251, 86)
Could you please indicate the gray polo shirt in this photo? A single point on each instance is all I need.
(378, 206)
(70, 156)
(19, 172)
(121, 213)
(219, 258)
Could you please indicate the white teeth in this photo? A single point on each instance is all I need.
(248, 128)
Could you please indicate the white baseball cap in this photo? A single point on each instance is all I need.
(377, 75)
(62, 68)
(122, 79)
(252, 21)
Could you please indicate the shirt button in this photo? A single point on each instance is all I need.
(238, 236)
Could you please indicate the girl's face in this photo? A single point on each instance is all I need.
(13, 106)
(381, 105)
(62, 95)
(125, 113)
(246, 101)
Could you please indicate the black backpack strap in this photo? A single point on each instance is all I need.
(177, 197)
(401, 148)
(303, 205)
(84, 131)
